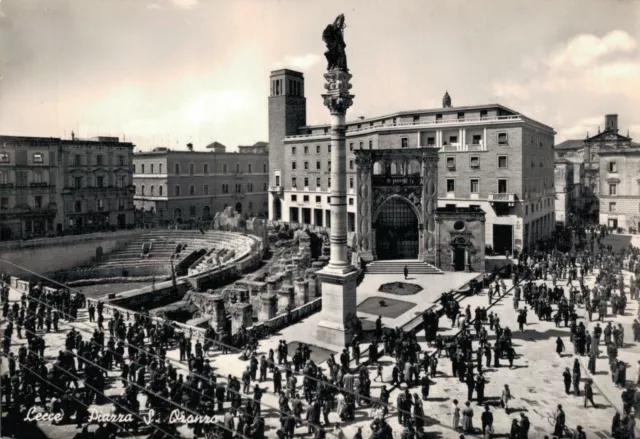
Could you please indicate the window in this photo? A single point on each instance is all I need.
(160, 190)
(142, 190)
(249, 168)
(483, 113)
(192, 190)
(250, 187)
(474, 162)
(416, 119)
(453, 139)
(451, 185)
(176, 169)
(205, 168)
(318, 166)
(238, 188)
(350, 201)
(205, 189)
(438, 118)
(370, 144)
(329, 148)
(431, 141)
(277, 180)
(100, 181)
(361, 145)
(293, 150)
(503, 139)
(502, 161)
(120, 160)
(264, 168)
(77, 159)
(142, 169)
(329, 165)
(4, 203)
(192, 210)
(100, 161)
(351, 183)
(306, 166)
(4, 177)
(225, 188)
(38, 201)
(474, 186)
(294, 198)
(405, 142)
(351, 165)
(38, 177)
(120, 182)
(451, 162)
(306, 183)
(613, 189)
(318, 199)
(78, 206)
(318, 182)
(176, 191)
(294, 182)
(159, 168)
(613, 167)
(4, 157)
(264, 187)
(503, 186)
(306, 150)
(460, 116)
(77, 182)
(329, 182)
(476, 139)
(151, 168)
(351, 147)
(317, 149)
(38, 157)
(305, 198)
(293, 166)
(100, 205)
(612, 206)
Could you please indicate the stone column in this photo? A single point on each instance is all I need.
(312, 284)
(429, 203)
(268, 308)
(218, 313)
(467, 260)
(301, 288)
(241, 315)
(453, 258)
(339, 277)
(271, 285)
(285, 298)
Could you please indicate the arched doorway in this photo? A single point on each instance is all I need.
(239, 207)
(206, 212)
(397, 235)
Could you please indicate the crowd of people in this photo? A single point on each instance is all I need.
(548, 281)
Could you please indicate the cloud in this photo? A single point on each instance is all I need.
(579, 129)
(302, 62)
(510, 89)
(155, 7)
(185, 4)
(216, 105)
(585, 49)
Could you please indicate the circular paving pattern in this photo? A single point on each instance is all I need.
(400, 288)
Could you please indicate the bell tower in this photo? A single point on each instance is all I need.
(287, 113)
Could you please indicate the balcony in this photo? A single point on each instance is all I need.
(276, 190)
(41, 184)
(500, 197)
(457, 147)
(6, 186)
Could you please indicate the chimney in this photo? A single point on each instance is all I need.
(190, 146)
(611, 122)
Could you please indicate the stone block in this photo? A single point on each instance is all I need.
(301, 288)
(285, 298)
(241, 315)
(268, 307)
(336, 326)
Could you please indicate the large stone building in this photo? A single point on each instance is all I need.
(610, 189)
(184, 185)
(53, 186)
(490, 157)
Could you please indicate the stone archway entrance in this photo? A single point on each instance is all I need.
(396, 228)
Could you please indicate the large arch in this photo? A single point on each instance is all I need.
(397, 227)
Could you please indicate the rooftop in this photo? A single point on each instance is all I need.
(572, 144)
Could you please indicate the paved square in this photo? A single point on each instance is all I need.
(392, 309)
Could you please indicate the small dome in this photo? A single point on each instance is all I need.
(446, 100)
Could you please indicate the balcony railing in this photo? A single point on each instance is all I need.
(502, 197)
(6, 185)
(453, 147)
(436, 123)
(277, 190)
(395, 180)
(39, 184)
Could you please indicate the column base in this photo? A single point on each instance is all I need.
(338, 315)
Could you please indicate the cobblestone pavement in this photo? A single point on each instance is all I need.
(536, 381)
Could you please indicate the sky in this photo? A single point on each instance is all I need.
(169, 72)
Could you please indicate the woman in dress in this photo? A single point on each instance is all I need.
(455, 415)
(506, 396)
(467, 418)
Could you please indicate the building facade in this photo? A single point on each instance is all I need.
(604, 183)
(489, 157)
(176, 186)
(564, 186)
(52, 186)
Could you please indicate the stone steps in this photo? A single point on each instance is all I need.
(397, 267)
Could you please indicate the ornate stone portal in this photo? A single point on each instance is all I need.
(339, 277)
(397, 200)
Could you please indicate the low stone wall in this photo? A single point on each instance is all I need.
(150, 297)
(113, 272)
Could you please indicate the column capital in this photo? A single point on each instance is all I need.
(337, 99)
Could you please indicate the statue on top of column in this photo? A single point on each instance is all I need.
(334, 39)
